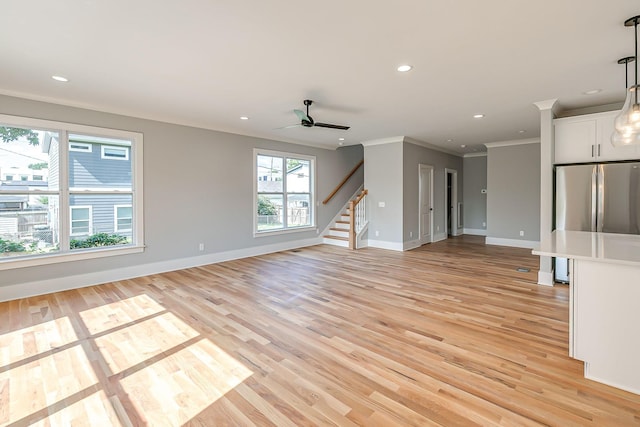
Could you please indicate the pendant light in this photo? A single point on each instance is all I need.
(627, 123)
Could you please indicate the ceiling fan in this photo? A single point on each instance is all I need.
(307, 121)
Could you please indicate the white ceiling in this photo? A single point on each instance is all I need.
(208, 62)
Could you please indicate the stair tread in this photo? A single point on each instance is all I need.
(336, 237)
(339, 229)
(342, 222)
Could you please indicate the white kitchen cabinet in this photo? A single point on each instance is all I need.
(587, 138)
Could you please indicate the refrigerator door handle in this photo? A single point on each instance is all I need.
(600, 205)
(594, 198)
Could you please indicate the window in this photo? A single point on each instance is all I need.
(80, 220)
(119, 153)
(123, 217)
(84, 207)
(80, 146)
(284, 196)
(8, 177)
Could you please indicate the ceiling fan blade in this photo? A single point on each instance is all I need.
(330, 126)
(301, 115)
(290, 126)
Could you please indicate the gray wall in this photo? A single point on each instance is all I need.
(475, 203)
(413, 156)
(383, 180)
(198, 187)
(513, 199)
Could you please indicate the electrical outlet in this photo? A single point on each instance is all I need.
(201, 247)
(381, 204)
(484, 224)
(438, 228)
(377, 233)
(411, 234)
(521, 233)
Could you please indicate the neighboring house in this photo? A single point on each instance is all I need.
(95, 163)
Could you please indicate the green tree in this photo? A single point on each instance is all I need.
(292, 163)
(8, 134)
(266, 206)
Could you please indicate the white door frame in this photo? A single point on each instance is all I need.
(453, 201)
(421, 167)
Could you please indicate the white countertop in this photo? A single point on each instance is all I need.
(605, 247)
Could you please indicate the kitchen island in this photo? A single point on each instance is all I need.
(604, 304)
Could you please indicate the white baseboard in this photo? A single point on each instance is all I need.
(545, 278)
(382, 244)
(412, 244)
(475, 231)
(41, 287)
(439, 237)
(529, 244)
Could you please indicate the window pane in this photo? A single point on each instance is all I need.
(270, 211)
(99, 163)
(100, 220)
(27, 159)
(269, 174)
(298, 210)
(298, 176)
(28, 224)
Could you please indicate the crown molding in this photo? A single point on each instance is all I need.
(484, 154)
(512, 142)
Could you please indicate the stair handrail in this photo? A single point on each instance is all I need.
(357, 217)
(344, 181)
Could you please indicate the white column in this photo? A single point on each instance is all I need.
(547, 147)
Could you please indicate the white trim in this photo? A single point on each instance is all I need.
(382, 244)
(545, 278)
(41, 287)
(312, 191)
(105, 156)
(528, 244)
(60, 257)
(483, 154)
(382, 141)
(411, 244)
(625, 387)
(431, 172)
(88, 148)
(439, 237)
(512, 142)
(431, 146)
(395, 139)
(547, 104)
(474, 231)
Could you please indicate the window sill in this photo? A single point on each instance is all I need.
(266, 233)
(80, 255)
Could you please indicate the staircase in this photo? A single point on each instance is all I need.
(339, 233)
(350, 224)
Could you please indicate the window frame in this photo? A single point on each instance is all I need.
(65, 254)
(312, 192)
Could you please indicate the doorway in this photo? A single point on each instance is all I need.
(425, 173)
(451, 202)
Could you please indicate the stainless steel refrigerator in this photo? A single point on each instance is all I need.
(596, 197)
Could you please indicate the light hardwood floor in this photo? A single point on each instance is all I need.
(448, 334)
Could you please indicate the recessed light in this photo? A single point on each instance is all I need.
(463, 146)
(592, 91)
(449, 140)
(340, 139)
(244, 118)
(404, 68)
(522, 131)
(60, 79)
(478, 116)
(340, 143)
